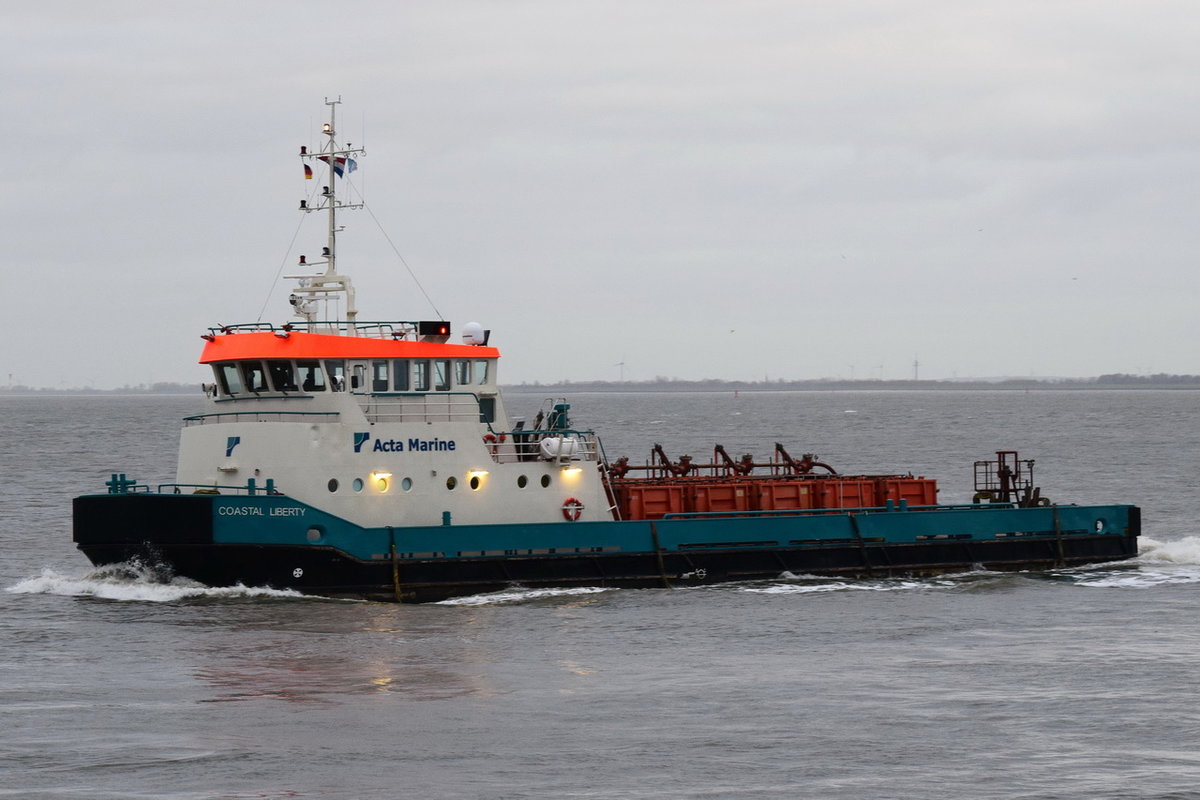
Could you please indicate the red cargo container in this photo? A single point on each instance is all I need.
(914, 491)
(725, 496)
(846, 493)
(638, 499)
(650, 501)
(776, 495)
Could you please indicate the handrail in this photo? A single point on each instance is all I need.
(543, 432)
(119, 484)
(381, 329)
(259, 416)
(420, 406)
(265, 394)
(249, 489)
(800, 512)
(431, 393)
(525, 445)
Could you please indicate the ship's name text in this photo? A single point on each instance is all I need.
(258, 511)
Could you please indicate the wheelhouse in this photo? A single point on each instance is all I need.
(255, 377)
(377, 362)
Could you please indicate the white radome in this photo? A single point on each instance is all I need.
(472, 333)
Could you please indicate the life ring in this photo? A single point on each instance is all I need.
(572, 509)
(493, 442)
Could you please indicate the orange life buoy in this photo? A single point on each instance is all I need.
(493, 442)
(572, 509)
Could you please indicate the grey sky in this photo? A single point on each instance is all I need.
(696, 189)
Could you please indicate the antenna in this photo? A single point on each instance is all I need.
(325, 286)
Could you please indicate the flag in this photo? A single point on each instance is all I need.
(307, 172)
(340, 164)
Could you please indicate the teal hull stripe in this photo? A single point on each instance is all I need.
(277, 520)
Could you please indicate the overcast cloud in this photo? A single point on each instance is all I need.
(696, 189)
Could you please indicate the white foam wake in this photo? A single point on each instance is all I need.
(1179, 551)
(792, 583)
(135, 583)
(1157, 564)
(518, 595)
(828, 585)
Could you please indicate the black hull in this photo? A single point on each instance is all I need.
(327, 572)
(176, 533)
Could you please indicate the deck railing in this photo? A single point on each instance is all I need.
(119, 484)
(561, 446)
(395, 329)
(260, 416)
(421, 407)
(890, 507)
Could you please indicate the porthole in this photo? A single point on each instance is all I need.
(522, 481)
(474, 483)
(451, 482)
(357, 485)
(545, 481)
(315, 533)
(333, 484)
(406, 484)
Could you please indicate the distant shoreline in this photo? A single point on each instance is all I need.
(835, 385)
(1111, 381)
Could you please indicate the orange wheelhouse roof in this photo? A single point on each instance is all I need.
(268, 345)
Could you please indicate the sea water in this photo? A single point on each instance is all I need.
(1073, 683)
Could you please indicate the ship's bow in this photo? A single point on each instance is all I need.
(114, 528)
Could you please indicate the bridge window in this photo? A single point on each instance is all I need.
(481, 372)
(229, 379)
(254, 377)
(400, 372)
(420, 375)
(379, 376)
(282, 376)
(441, 368)
(462, 372)
(312, 379)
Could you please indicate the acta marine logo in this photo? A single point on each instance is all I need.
(399, 445)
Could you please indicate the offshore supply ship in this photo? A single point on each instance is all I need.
(370, 459)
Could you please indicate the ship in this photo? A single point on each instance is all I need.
(376, 460)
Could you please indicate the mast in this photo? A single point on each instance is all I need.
(338, 161)
(330, 147)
